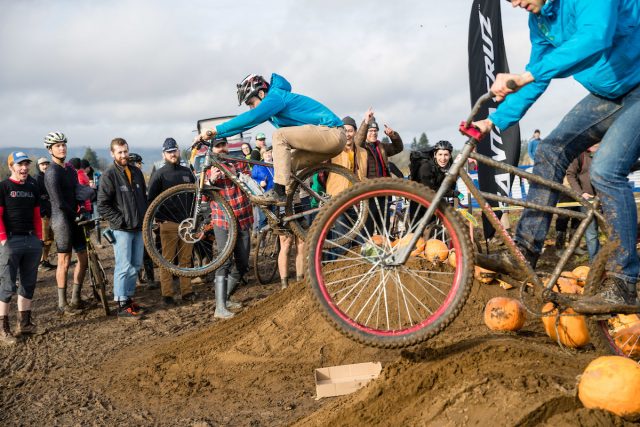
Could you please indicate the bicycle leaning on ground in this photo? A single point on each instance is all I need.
(380, 293)
(189, 205)
(97, 276)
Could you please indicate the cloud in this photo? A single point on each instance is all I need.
(145, 70)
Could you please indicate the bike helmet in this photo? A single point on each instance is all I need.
(443, 145)
(135, 158)
(250, 86)
(53, 138)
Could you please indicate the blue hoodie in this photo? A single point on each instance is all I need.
(595, 41)
(282, 108)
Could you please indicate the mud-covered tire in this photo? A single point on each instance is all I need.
(300, 227)
(98, 280)
(332, 301)
(216, 258)
(265, 262)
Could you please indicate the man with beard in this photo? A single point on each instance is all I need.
(122, 201)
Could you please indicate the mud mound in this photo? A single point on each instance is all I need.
(469, 375)
(257, 367)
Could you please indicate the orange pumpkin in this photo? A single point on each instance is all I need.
(571, 331)
(504, 314)
(436, 250)
(566, 284)
(452, 258)
(483, 275)
(378, 240)
(402, 241)
(419, 250)
(612, 383)
(581, 273)
(628, 340)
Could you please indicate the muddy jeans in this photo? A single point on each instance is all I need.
(240, 253)
(298, 147)
(616, 125)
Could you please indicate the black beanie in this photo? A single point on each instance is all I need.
(348, 120)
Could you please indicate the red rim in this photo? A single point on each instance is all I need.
(395, 333)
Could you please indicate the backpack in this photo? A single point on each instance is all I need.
(417, 159)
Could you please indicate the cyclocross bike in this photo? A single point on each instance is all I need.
(97, 276)
(189, 206)
(378, 292)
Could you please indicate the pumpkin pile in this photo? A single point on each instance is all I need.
(504, 314)
(612, 383)
(432, 249)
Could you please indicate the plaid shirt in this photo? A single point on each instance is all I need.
(240, 203)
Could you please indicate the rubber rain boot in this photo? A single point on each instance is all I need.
(221, 311)
(232, 282)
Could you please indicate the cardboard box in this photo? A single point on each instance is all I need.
(344, 379)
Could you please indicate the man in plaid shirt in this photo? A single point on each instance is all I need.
(227, 278)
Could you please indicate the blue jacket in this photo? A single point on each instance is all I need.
(263, 173)
(596, 41)
(282, 108)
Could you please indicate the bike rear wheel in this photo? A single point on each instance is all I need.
(299, 199)
(616, 334)
(369, 297)
(174, 209)
(265, 262)
(98, 280)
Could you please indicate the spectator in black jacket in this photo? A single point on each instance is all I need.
(432, 168)
(45, 215)
(122, 201)
(170, 175)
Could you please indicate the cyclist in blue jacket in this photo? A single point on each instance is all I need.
(598, 43)
(308, 132)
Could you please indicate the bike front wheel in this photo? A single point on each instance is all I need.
(98, 280)
(370, 295)
(172, 239)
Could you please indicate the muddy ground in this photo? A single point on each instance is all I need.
(182, 367)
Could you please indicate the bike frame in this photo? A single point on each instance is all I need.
(457, 170)
(216, 160)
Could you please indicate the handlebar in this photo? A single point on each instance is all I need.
(465, 126)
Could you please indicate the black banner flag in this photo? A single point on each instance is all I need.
(487, 57)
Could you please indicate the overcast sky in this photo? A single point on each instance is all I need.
(145, 70)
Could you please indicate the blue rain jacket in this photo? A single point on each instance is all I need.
(595, 41)
(282, 108)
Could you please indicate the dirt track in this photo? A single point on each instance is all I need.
(182, 367)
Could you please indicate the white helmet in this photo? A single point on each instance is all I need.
(53, 138)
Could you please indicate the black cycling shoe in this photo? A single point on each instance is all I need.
(503, 262)
(614, 296)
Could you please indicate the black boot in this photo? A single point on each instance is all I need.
(6, 337)
(503, 262)
(560, 239)
(25, 326)
(614, 294)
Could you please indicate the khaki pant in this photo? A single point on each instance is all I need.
(298, 147)
(172, 245)
(47, 237)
